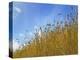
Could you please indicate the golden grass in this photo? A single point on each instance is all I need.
(61, 41)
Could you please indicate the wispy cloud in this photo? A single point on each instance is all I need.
(35, 27)
(21, 35)
(18, 9)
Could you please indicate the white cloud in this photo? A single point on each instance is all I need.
(21, 35)
(18, 9)
(35, 27)
(30, 33)
(16, 45)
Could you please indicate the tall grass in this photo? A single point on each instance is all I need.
(60, 38)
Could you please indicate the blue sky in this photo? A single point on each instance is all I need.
(27, 16)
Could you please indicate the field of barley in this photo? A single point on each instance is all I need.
(60, 38)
